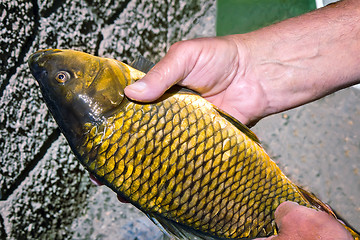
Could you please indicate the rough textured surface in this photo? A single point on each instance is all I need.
(104, 217)
(318, 147)
(46, 194)
(42, 188)
(25, 127)
(43, 201)
(19, 22)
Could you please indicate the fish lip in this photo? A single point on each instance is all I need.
(36, 63)
(33, 61)
(38, 54)
(34, 58)
(36, 70)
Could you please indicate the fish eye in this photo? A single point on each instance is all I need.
(62, 76)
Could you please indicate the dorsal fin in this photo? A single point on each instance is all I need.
(317, 203)
(142, 64)
(225, 115)
(239, 125)
(314, 201)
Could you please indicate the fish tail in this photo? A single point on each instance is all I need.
(317, 203)
(353, 233)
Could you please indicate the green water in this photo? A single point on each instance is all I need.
(241, 16)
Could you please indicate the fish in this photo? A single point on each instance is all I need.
(193, 169)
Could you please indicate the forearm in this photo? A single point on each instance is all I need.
(270, 70)
(305, 58)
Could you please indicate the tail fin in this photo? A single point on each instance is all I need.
(317, 203)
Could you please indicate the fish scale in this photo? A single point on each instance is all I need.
(189, 164)
(194, 170)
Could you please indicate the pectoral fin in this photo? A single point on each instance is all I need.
(239, 125)
(142, 64)
(180, 231)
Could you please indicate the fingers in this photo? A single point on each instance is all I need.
(299, 222)
(98, 183)
(281, 212)
(121, 199)
(285, 209)
(175, 66)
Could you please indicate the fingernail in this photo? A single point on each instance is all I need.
(95, 181)
(121, 199)
(340, 221)
(137, 86)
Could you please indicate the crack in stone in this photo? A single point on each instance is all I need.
(56, 4)
(98, 42)
(116, 13)
(24, 49)
(3, 234)
(32, 164)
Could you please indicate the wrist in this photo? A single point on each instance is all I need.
(253, 103)
(303, 59)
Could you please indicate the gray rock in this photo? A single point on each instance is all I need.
(40, 182)
(71, 24)
(46, 194)
(19, 24)
(50, 198)
(25, 127)
(2, 229)
(152, 28)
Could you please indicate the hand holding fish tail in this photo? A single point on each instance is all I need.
(296, 222)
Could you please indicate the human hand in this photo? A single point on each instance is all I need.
(215, 68)
(267, 71)
(297, 222)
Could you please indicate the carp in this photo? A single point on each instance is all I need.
(192, 168)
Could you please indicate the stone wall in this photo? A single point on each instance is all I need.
(42, 187)
(46, 194)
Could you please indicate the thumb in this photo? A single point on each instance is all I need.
(299, 222)
(287, 230)
(166, 73)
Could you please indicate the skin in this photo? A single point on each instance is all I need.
(253, 75)
(267, 71)
(298, 222)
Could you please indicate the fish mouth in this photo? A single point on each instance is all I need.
(37, 60)
(35, 57)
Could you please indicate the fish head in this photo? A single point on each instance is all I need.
(78, 87)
